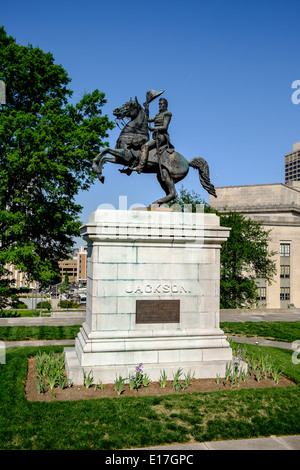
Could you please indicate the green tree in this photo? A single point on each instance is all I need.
(6, 291)
(46, 149)
(244, 256)
(66, 280)
(65, 283)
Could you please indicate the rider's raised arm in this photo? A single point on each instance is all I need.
(146, 107)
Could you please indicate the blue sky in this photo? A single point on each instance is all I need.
(227, 68)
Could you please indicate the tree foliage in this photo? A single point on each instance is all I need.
(47, 145)
(244, 256)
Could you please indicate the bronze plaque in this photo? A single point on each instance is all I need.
(157, 311)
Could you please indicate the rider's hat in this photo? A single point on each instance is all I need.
(152, 94)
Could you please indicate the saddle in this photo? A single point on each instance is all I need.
(164, 155)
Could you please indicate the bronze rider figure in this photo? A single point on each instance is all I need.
(160, 136)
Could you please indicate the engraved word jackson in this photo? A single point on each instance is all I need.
(158, 289)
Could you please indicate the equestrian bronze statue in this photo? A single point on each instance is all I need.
(138, 152)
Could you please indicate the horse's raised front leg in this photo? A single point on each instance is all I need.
(102, 158)
(98, 163)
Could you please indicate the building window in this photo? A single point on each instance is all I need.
(261, 293)
(285, 271)
(260, 274)
(284, 249)
(284, 293)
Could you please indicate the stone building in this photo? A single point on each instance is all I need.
(277, 206)
(18, 279)
(75, 266)
(292, 164)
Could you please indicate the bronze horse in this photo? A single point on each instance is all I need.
(170, 166)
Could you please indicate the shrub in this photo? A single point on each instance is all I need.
(45, 304)
(68, 304)
(19, 304)
(9, 314)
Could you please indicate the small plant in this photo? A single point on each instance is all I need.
(41, 386)
(132, 382)
(41, 359)
(62, 382)
(188, 378)
(177, 376)
(227, 373)
(234, 377)
(162, 379)
(176, 382)
(87, 379)
(269, 367)
(99, 385)
(251, 366)
(146, 380)
(240, 354)
(60, 358)
(276, 373)
(52, 379)
(119, 385)
(243, 375)
(140, 379)
(264, 364)
(181, 385)
(218, 378)
(258, 376)
(136, 381)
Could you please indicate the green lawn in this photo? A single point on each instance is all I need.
(24, 313)
(23, 333)
(278, 331)
(126, 422)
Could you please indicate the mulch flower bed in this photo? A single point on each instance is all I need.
(154, 389)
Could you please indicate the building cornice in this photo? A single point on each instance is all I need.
(291, 208)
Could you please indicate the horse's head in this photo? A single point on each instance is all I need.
(130, 109)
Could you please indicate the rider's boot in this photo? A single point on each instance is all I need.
(143, 159)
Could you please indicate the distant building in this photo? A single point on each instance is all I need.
(68, 266)
(292, 164)
(81, 264)
(18, 279)
(76, 267)
(277, 206)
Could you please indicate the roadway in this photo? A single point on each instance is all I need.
(77, 318)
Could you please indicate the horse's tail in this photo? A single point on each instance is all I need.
(202, 166)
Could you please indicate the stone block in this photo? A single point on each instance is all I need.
(109, 253)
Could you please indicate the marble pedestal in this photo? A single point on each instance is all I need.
(151, 256)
